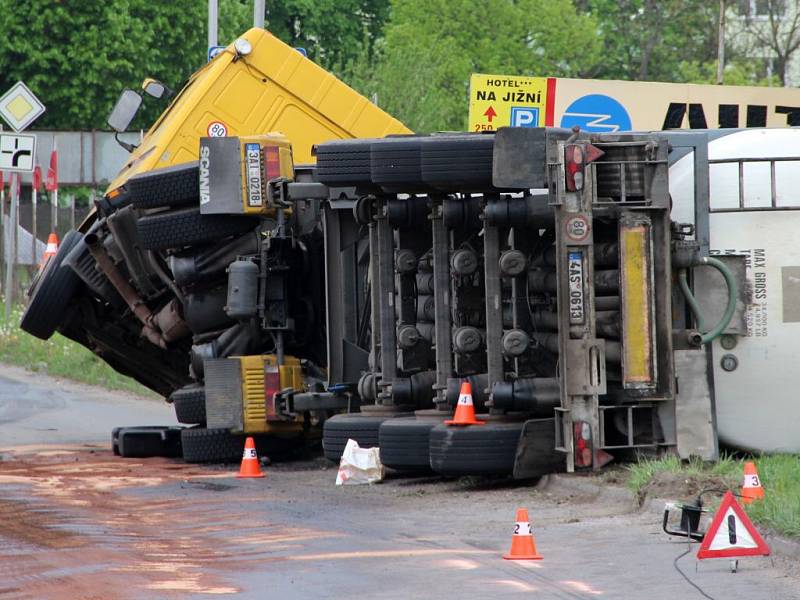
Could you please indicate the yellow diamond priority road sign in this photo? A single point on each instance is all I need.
(19, 107)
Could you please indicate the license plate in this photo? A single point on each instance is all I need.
(576, 295)
(254, 193)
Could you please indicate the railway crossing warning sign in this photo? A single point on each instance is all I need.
(732, 534)
(503, 100)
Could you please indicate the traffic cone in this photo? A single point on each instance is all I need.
(523, 547)
(465, 410)
(250, 466)
(751, 487)
(52, 248)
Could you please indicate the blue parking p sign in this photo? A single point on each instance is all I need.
(524, 116)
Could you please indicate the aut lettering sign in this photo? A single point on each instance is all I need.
(503, 101)
(616, 106)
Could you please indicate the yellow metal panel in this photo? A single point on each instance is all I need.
(253, 393)
(274, 88)
(637, 309)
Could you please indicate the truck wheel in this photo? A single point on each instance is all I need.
(344, 163)
(148, 441)
(404, 443)
(458, 162)
(115, 440)
(177, 185)
(51, 293)
(340, 428)
(201, 445)
(395, 164)
(190, 404)
(479, 450)
(184, 227)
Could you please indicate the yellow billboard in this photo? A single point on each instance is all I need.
(609, 106)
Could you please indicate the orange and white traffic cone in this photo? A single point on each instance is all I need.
(751, 486)
(52, 248)
(523, 547)
(465, 410)
(250, 466)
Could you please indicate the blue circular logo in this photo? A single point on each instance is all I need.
(598, 113)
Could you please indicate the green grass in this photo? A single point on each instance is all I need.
(58, 356)
(779, 475)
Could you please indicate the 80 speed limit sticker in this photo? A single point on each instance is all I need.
(577, 228)
(217, 129)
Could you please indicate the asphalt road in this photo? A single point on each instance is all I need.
(35, 408)
(77, 522)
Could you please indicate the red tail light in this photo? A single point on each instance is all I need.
(272, 386)
(272, 162)
(582, 440)
(573, 158)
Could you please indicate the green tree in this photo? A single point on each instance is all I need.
(77, 55)
(650, 40)
(430, 48)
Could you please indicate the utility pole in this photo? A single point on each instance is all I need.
(213, 18)
(258, 13)
(721, 43)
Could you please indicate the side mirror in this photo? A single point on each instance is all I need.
(124, 110)
(155, 88)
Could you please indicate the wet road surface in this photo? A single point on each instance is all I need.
(78, 522)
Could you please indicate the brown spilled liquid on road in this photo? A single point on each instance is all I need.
(73, 526)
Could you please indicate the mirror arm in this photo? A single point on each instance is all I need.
(128, 146)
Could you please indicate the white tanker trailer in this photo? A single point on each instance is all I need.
(753, 210)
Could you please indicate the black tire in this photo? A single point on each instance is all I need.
(52, 293)
(177, 185)
(458, 162)
(404, 443)
(184, 227)
(396, 165)
(115, 440)
(340, 428)
(190, 404)
(201, 445)
(475, 450)
(148, 441)
(344, 163)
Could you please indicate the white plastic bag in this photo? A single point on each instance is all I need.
(359, 465)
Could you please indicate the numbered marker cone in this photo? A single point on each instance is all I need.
(751, 487)
(52, 248)
(523, 547)
(250, 466)
(465, 410)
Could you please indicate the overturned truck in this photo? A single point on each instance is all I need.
(351, 298)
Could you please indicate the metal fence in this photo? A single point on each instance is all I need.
(29, 249)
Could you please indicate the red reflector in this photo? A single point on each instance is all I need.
(593, 153)
(272, 162)
(582, 434)
(272, 386)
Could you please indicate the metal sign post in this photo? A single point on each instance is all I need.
(11, 243)
(19, 107)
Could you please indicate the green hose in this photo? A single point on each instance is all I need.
(730, 308)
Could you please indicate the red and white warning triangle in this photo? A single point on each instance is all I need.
(732, 534)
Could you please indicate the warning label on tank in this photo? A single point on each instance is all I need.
(756, 265)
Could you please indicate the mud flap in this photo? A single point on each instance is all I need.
(536, 453)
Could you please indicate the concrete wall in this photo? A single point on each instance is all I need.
(84, 157)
